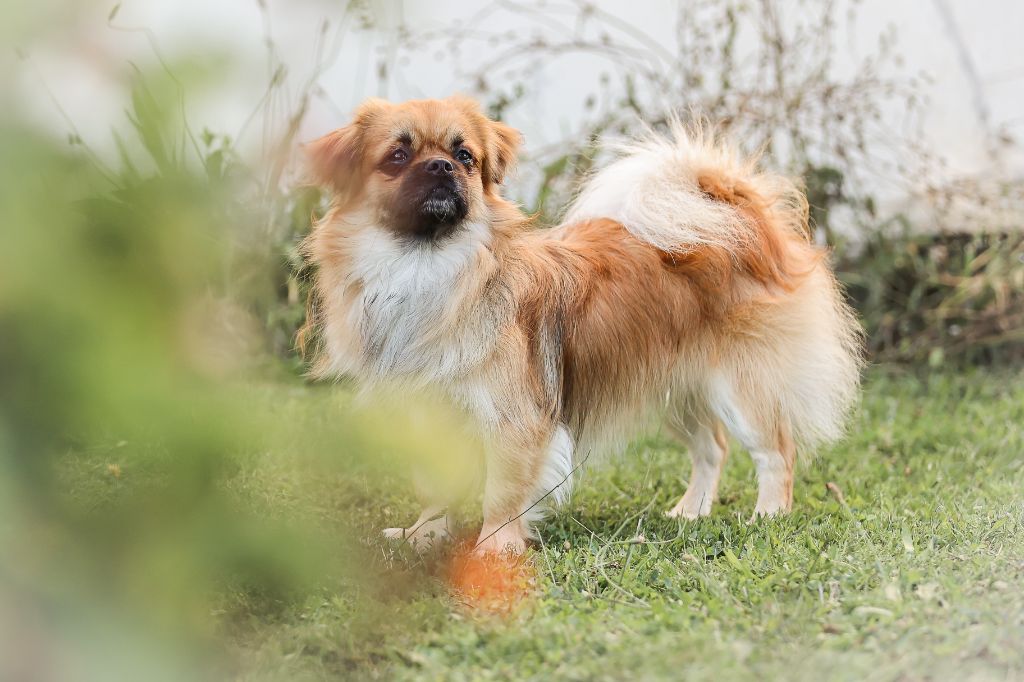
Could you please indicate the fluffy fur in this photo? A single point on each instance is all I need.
(681, 285)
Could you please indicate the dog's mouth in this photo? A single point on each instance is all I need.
(428, 209)
(443, 206)
(437, 214)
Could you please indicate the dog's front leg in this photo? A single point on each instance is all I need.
(436, 493)
(429, 529)
(514, 458)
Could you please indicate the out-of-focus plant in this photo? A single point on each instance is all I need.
(933, 298)
(157, 491)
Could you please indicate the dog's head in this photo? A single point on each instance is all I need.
(422, 167)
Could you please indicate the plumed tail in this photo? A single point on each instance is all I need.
(690, 191)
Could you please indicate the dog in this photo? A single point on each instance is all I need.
(681, 285)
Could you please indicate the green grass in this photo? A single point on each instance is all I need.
(917, 574)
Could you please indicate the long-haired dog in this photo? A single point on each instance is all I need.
(681, 284)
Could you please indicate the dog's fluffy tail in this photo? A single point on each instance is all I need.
(690, 192)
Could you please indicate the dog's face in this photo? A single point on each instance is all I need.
(422, 168)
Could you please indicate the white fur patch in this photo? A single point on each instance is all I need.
(408, 291)
(555, 480)
(723, 403)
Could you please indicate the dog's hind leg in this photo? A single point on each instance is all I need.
(705, 438)
(758, 423)
(774, 465)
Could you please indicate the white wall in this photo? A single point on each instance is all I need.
(978, 83)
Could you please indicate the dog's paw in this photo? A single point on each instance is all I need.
(507, 541)
(678, 512)
(394, 533)
(690, 507)
(767, 512)
(421, 537)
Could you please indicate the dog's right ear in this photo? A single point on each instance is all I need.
(335, 159)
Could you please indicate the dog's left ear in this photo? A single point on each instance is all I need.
(502, 148)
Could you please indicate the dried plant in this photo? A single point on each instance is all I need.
(768, 78)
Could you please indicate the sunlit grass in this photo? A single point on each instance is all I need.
(916, 571)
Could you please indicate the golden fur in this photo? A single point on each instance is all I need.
(682, 284)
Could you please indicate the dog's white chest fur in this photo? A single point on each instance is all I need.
(414, 317)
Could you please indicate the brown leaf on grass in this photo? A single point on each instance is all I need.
(836, 492)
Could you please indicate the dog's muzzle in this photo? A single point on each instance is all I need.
(443, 205)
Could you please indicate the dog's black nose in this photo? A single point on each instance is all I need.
(439, 166)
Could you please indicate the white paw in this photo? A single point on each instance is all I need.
(508, 541)
(767, 511)
(421, 537)
(682, 513)
(690, 508)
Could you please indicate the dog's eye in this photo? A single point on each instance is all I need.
(399, 156)
(464, 156)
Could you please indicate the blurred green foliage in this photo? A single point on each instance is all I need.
(142, 310)
(940, 298)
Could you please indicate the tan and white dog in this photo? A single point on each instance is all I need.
(681, 284)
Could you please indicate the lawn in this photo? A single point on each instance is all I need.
(903, 559)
